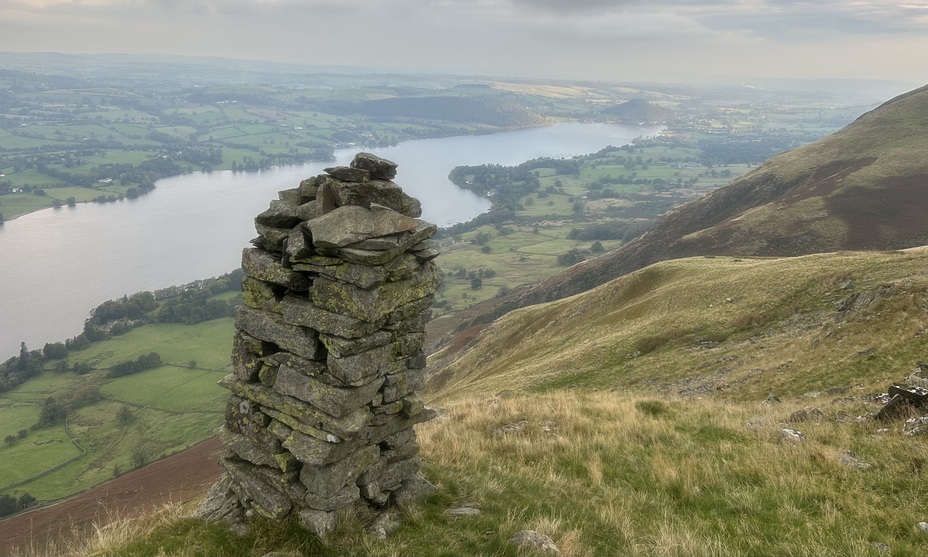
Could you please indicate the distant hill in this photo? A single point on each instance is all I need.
(638, 111)
(864, 187)
(490, 111)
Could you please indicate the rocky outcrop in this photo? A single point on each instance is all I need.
(327, 353)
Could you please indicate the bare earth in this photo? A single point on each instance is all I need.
(179, 478)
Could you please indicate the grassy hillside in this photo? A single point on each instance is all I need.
(629, 421)
(612, 474)
(737, 328)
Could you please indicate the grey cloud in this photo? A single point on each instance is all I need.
(577, 6)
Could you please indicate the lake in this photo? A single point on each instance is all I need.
(58, 264)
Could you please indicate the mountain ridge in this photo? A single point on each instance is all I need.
(827, 196)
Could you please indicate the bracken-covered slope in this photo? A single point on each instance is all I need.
(864, 187)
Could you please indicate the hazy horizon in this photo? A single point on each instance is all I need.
(625, 40)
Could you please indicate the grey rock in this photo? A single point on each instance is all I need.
(302, 312)
(385, 524)
(348, 174)
(308, 189)
(350, 224)
(531, 539)
(273, 239)
(340, 347)
(465, 511)
(374, 305)
(247, 352)
(247, 448)
(807, 415)
(335, 401)
(299, 243)
(321, 523)
(379, 168)
(363, 368)
(344, 497)
(850, 460)
(299, 415)
(221, 504)
(281, 214)
(326, 481)
(413, 489)
(260, 295)
(396, 472)
(265, 498)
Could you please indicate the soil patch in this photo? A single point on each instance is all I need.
(182, 477)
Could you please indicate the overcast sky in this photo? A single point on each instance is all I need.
(609, 40)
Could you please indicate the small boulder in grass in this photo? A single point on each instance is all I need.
(531, 539)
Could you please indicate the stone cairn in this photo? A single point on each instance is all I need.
(327, 352)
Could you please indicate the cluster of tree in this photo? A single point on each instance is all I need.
(190, 304)
(55, 411)
(132, 307)
(10, 504)
(571, 257)
(18, 369)
(10, 439)
(496, 215)
(142, 363)
(194, 307)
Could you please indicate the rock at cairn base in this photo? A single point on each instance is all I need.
(327, 353)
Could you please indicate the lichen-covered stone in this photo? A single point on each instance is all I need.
(261, 265)
(299, 243)
(260, 295)
(270, 327)
(248, 448)
(247, 352)
(341, 347)
(375, 304)
(363, 368)
(302, 312)
(298, 414)
(401, 267)
(335, 401)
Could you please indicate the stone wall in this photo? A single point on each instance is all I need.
(327, 352)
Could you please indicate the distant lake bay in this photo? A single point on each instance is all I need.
(59, 264)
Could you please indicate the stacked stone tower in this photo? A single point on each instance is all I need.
(327, 352)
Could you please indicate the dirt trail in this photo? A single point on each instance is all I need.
(178, 478)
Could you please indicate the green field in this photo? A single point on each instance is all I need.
(170, 408)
